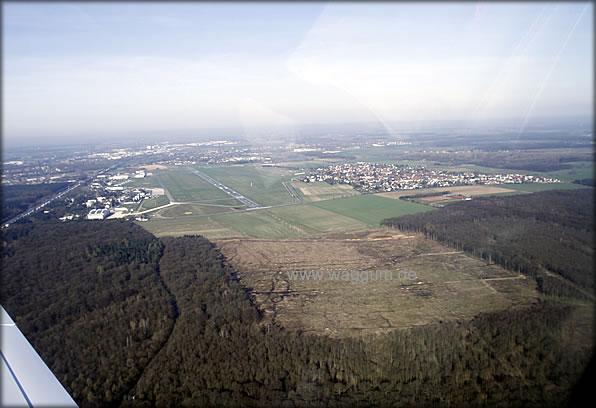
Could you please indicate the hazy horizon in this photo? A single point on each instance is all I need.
(82, 70)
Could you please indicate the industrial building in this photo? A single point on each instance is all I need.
(98, 214)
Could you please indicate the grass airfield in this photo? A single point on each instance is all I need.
(289, 208)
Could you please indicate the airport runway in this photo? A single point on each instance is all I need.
(232, 193)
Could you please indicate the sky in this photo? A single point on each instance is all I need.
(80, 70)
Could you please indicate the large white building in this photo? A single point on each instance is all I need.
(98, 214)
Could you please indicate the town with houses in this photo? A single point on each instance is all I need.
(375, 177)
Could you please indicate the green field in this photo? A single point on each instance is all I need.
(187, 187)
(189, 210)
(578, 171)
(314, 220)
(145, 182)
(259, 224)
(154, 202)
(536, 187)
(371, 209)
(190, 225)
(281, 222)
(320, 190)
(266, 188)
(384, 154)
(255, 224)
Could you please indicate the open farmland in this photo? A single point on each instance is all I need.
(468, 191)
(579, 170)
(264, 185)
(371, 209)
(369, 282)
(536, 187)
(320, 190)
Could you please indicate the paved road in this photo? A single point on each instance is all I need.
(232, 193)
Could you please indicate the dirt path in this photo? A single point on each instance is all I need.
(176, 312)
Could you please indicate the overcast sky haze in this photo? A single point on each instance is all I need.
(78, 69)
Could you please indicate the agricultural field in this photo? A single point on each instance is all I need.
(536, 187)
(468, 191)
(264, 185)
(476, 168)
(371, 209)
(319, 191)
(380, 154)
(369, 282)
(309, 164)
(579, 170)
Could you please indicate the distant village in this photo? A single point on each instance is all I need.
(375, 177)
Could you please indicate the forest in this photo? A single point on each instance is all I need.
(219, 354)
(18, 198)
(124, 319)
(88, 297)
(529, 158)
(586, 182)
(548, 235)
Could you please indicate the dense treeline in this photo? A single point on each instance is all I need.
(546, 235)
(88, 297)
(125, 319)
(219, 354)
(586, 182)
(18, 198)
(549, 159)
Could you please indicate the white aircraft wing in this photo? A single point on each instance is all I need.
(26, 379)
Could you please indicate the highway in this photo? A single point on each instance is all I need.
(41, 205)
(232, 193)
